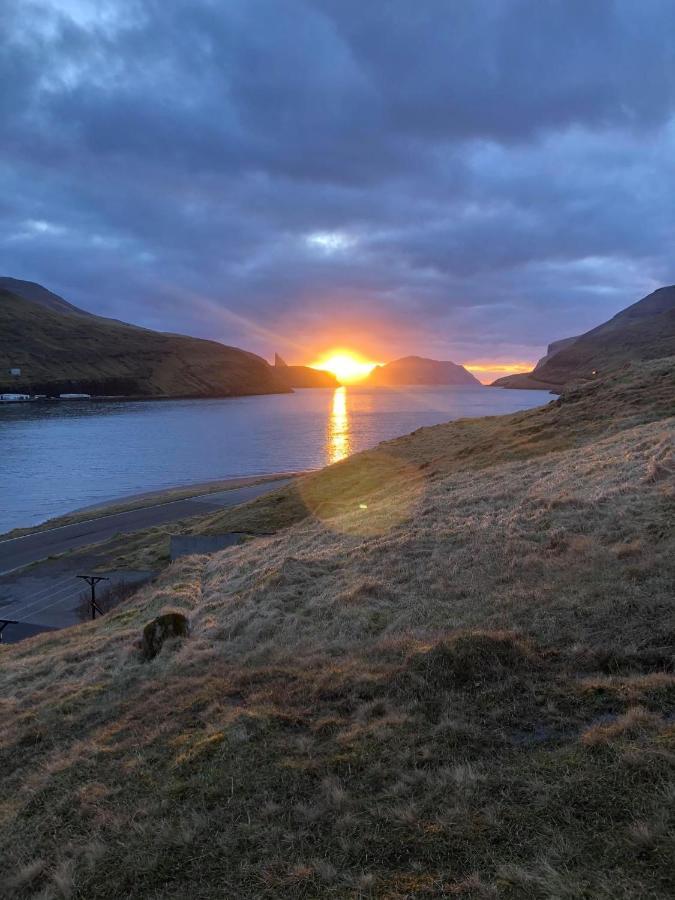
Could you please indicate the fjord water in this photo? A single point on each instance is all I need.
(58, 456)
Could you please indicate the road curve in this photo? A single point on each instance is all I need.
(16, 553)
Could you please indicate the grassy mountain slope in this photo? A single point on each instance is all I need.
(452, 675)
(645, 330)
(553, 348)
(61, 351)
(36, 293)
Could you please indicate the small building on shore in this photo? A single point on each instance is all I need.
(14, 398)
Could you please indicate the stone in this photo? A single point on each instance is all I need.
(161, 629)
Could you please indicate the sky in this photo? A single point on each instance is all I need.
(459, 180)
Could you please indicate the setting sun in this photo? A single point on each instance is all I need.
(347, 366)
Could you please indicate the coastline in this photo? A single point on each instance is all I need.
(138, 398)
(161, 497)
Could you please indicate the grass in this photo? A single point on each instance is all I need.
(449, 672)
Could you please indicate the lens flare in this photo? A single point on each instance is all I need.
(366, 495)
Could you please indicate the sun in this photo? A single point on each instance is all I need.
(347, 366)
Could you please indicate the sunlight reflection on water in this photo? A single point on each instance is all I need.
(338, 441)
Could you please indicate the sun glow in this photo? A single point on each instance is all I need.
(338, 427)
(487, 371)
(348, 367)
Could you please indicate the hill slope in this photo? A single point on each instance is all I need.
(63, 349)
(418, 370)
(456, 678)
(553, 348)
(36, 293)
(645, 330)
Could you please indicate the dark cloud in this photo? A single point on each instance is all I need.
(468, 179)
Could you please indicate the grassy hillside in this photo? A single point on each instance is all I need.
(451, 675)
(60, 351)
(643, 331)
(36, 293)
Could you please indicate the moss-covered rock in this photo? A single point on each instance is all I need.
(161, 629)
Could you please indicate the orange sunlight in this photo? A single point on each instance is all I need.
(489, 371)
(347, 366)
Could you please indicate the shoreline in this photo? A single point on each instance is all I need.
(159, 497)
(191, 490)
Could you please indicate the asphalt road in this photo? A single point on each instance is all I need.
(22, 551)
(50, 595)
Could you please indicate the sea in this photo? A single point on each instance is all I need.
(58, 456)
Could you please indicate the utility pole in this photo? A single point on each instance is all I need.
(92, 581)
(4, 623)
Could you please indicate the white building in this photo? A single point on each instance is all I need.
(14, 398)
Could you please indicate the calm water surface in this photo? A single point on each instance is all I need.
(58, 456)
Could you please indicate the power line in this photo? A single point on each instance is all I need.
(21, 610)
(40, 609)
(49, 588)
(51, 600)
(4, 623)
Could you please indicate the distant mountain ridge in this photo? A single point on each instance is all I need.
(36, 293)
(643, 331)
(553, 348)
(58, 348)
(419, 370)
(303, 376)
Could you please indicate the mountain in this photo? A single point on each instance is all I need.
(30, 290)
(417, 370)
(554, 348)
(643, 331)
(59, 348)
(303, 376)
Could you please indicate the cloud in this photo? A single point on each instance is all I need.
(463, 180)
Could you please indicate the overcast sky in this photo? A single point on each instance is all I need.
(463, 180)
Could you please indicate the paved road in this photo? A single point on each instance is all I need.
(50, 595)
(22, 551)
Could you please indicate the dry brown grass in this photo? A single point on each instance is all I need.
(454, 681)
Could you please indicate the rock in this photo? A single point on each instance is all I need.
(161, 629)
